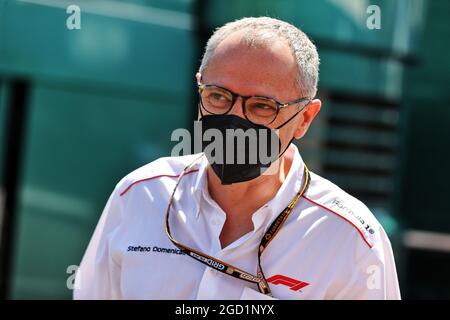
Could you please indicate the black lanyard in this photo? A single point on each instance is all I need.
(224, 267)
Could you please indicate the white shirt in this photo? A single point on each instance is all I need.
(330, 247)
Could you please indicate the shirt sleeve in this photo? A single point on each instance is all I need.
(98, 276)
(374, 275)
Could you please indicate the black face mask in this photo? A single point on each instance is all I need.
(248, 156)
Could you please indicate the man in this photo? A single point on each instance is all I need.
(241, 230)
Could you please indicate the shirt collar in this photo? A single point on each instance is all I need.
(283, 197)
(200, 184)
(285, 194)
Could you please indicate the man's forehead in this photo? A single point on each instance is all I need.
(242, 41)
(259, 68)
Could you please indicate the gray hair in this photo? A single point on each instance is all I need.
(262, 31)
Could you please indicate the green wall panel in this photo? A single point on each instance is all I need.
(78, 146)
(427, 135)
(358, 74)
(103, 102)
(117, 44)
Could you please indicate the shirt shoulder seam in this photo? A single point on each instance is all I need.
(342, 217)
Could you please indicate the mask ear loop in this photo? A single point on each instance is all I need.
(296, 114)
(287, 147)
(283, 124)
(200, 106)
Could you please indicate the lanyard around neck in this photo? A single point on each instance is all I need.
(224, 267)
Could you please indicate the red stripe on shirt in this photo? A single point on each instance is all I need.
(154, 177)
(322, 206)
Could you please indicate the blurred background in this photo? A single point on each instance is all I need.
(81, 108)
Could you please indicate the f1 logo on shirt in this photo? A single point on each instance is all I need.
(293, 284)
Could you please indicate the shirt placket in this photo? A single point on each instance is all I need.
(214, 283)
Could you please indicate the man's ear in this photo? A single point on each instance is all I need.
(198, 76)
(309, 114)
